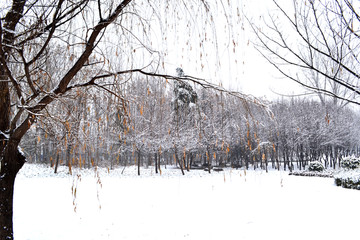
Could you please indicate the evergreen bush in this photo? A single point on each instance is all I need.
(350, 162)
(348, 179)
(316, 167)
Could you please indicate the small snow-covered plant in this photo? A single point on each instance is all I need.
(348, 179)
(350, 162)
(316, 166)
(349, 176)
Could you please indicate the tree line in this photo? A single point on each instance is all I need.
(166, 123)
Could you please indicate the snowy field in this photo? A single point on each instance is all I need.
(233, 204)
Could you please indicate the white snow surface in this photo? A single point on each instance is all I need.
(234, 204)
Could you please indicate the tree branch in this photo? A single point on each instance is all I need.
(62, 86)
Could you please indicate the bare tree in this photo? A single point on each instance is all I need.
(27, 31)
(315, 43)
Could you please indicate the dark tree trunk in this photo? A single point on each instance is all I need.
(139, 163)
(159, 162)
(188, 161)
(56, 162)
(156, 163)
(11, 163)
(180, 163)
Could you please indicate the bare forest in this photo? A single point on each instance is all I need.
(190, 127)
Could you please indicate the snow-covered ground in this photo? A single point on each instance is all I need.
(233, 204)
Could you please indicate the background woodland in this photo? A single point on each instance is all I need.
(175, 123)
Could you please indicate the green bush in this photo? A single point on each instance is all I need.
(350, 162)
(348, 179)
(316, 167)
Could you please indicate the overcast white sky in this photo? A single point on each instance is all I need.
(245, 69)
(260, 78)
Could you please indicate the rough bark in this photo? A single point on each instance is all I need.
(11, 159)
(11, 163)
(4, 106)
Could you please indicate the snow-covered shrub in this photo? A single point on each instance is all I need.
(316, 167)
(348, 179)
(350, 162)
(349, 176)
